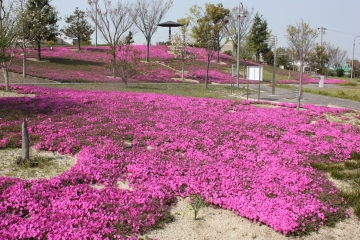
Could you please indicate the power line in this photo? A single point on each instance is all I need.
(354, 34)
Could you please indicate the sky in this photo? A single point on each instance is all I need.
(340, 18)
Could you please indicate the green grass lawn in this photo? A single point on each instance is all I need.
(351, 92)
(344, 92)
(191, 90)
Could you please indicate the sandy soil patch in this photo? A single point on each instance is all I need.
(223, 224)
(14, 94)
(36, 60)
(54, 166)
(186, 80)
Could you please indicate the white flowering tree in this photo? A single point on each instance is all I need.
(179, 43)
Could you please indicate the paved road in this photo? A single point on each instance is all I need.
(284, 95)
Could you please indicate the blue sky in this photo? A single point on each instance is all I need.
(341, 18)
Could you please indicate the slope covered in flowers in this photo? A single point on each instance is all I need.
(253, 161)
(66, 64)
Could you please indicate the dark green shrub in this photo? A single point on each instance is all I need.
(340, 72)
(228, 52)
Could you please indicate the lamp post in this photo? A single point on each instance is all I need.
(352, 61)
(272, 41)
(274, 68)
(242, 14)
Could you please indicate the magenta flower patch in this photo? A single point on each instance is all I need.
(252, 161)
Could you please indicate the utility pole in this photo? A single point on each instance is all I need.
(352, 61)
(322, 32)
(2, 14)
(274, 68)
(272, 41)
(241, 15)
(96, 7)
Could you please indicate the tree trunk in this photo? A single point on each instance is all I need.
(125, 78)
(182, 71)
(25, 140)
(207, 72)
(147, 50)
(6, 77)
(218, 53)
(39, 50)
(300, 85)
(114, 65)
(79, 44)
(24, 60)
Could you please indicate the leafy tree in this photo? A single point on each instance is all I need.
(202, 26)
(148, 16)
(340, 72)
(78, 26)
(259, 34)
(8, 36)
(184, 29)
(113, 21)
(318, 58)
(283, 58)
(218, 18)
(246, 50)
(25, 36)
(268, 57)
(215, 17)
(129, 38)
(301, 39)
(356, 68)
(43, 24)
(86, 41)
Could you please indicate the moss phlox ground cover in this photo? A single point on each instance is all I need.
(92, 64)
(252, 161)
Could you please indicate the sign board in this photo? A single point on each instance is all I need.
(255, 73)
(234, 70)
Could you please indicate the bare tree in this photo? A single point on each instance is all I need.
(148, 16)
(113, 21)
(232, 24)
(128, 60)
(7, 37)
(336, 55)
(301, 40)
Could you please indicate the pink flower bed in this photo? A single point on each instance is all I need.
(201, 54)
(234, 155)
(215, 76)
(93, 64)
